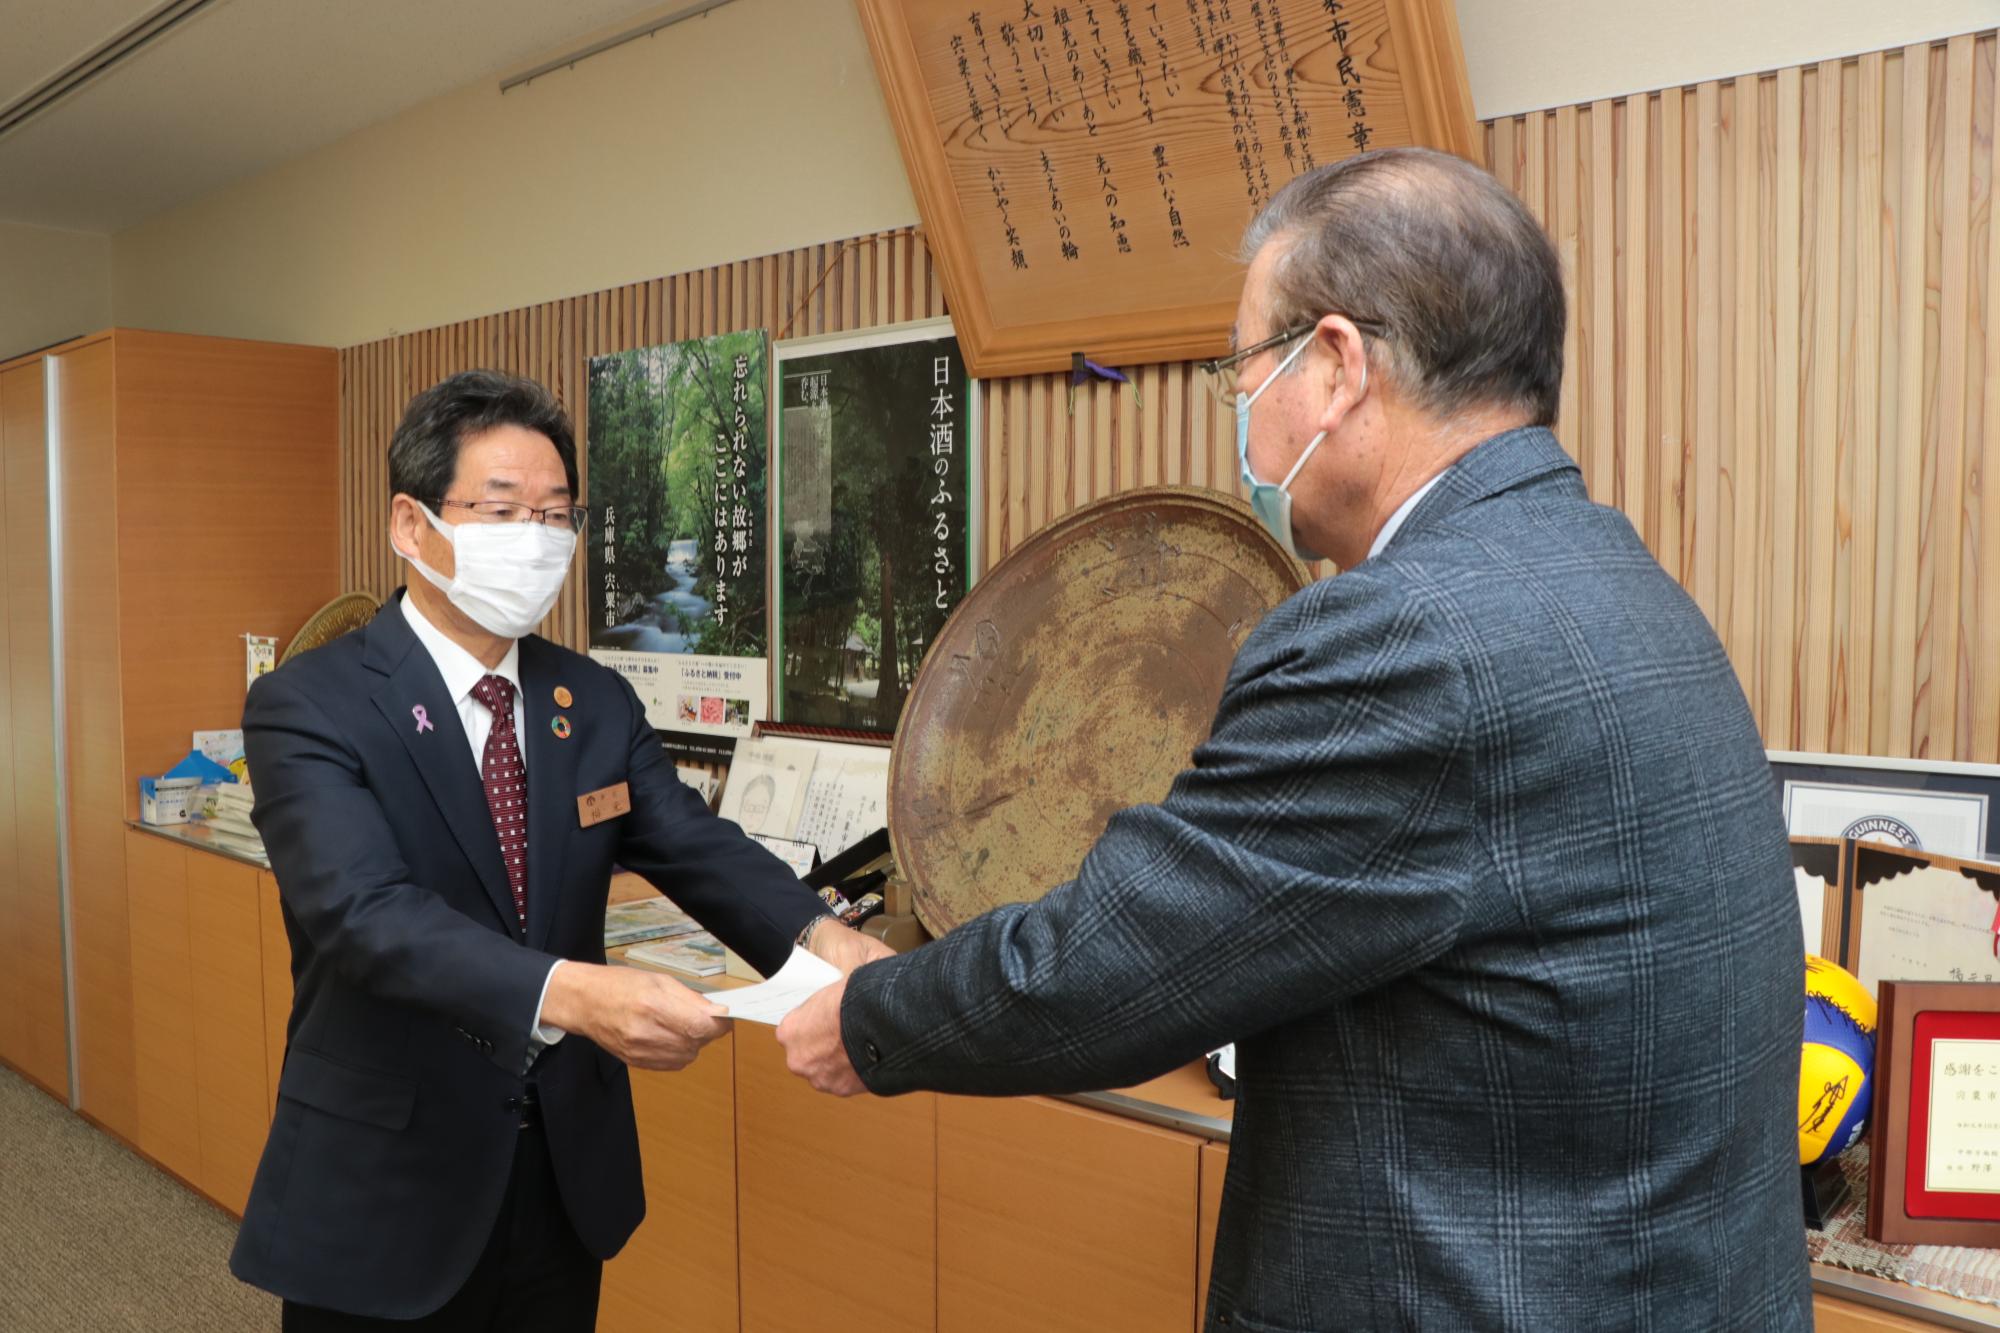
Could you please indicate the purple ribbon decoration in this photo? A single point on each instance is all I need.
(423, 718)
(1083, 370)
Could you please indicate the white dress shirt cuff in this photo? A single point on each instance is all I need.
(546, 1033)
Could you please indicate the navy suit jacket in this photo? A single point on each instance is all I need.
(1482, 867)
(415, 988)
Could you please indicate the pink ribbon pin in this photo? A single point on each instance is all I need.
(423, 718)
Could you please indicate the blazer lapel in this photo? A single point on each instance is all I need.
(551, 783)
(422, 715)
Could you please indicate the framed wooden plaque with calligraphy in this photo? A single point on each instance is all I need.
(1934, 1146)
(1085, 168)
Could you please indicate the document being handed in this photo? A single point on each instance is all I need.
(803, 976)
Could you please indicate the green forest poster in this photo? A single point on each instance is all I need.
(875, 469)
(678, 441)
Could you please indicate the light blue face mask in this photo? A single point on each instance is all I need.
(1273, 503)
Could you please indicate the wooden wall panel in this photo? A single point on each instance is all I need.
(99, 922)
(33, 1027)
(1783, 364)
(1808, 378)
(227, 464)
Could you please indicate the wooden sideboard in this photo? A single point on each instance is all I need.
(772, 1209)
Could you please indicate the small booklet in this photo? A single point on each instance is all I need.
(645, 919)
(697, 955)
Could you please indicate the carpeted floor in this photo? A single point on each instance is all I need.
(94, 1238)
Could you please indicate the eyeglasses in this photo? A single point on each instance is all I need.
(573, 517)
(1222, 371)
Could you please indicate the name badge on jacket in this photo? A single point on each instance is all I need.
(604, 803)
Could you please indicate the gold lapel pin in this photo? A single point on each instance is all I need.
(563, 697)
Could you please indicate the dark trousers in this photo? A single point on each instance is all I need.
(534, 1276)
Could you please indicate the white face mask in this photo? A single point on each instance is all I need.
(508, 574)
(1272, 502)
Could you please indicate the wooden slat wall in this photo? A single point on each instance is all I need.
(1794, 389)
(1783, 364)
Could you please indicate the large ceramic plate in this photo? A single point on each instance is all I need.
(1074, 680)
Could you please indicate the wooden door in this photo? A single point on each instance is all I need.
(836, 1199)
(1052, 1216)
(226, 946)
(162, 1004)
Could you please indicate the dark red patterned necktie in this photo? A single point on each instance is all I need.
(506, 779)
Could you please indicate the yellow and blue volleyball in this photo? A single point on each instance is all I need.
(1837, 1058)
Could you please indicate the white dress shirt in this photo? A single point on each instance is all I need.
(1395, 522)
(462, 672)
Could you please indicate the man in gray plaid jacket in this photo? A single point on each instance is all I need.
(1481, 867)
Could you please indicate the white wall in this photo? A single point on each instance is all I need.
(1528, 55)
(53, 285)
(756, 129)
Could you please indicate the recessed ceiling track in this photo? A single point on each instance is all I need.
(100, 60)
(694, 11)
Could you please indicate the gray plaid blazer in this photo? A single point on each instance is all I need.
(1483, 869)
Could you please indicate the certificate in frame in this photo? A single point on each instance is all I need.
(1926, 805)
(1916, 916)
(1934, 1161)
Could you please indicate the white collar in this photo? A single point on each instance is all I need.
(460, 669)
(1389, 529)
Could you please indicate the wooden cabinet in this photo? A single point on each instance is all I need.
(182, 458)
(679, 1269)
(163, 1009)
(226, 948)
(1831, 1315)
(85, 405)
(199, 1014)
(276, 954)
(1214, 1167)
(34, 1034)
(1052, 1216)
(836, 1202)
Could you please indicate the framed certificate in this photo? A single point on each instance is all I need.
(1934, 1149)
(1924, 805)
(1917, 916)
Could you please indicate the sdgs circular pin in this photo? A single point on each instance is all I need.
(563, 697)
(560, 726)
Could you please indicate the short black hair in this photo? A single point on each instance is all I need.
(1462, 279)
(423, 453)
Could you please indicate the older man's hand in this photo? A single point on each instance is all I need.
(814, 1051)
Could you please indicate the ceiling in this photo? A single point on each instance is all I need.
(242, 86)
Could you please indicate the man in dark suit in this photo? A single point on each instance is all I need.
(1481, 866)
(454, 1142)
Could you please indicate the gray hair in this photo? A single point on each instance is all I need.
(1464, 284)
